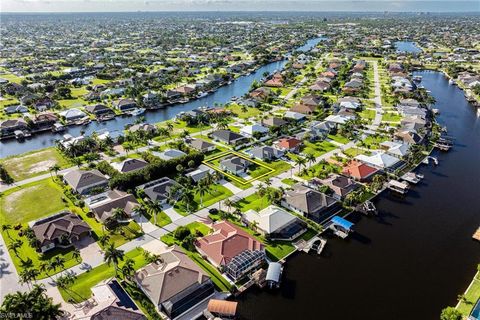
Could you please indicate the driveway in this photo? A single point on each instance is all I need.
(90, 251)
(230, 186)
(170, 211)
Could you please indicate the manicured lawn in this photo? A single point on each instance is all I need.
(391, 117)
(367, 114)
(373, 141)
(34, 163)
(179, 126)
(220, 282)
(26, 252)
(318, 148)
(253, 201)
(72, 103)
(353, 152)
(338, 138)
(249, 112)
(193, 227)
(289, 181)
(31, 201)
(320, 170)
(80, 289)
(472, 295)
(277, 250)
(216, 194)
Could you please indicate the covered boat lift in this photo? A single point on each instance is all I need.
(341, 227)
(274, 274)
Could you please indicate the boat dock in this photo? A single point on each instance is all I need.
(397, 186)
(476, 235)
(306, 246)
(411, 177)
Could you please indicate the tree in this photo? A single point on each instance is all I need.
(202, 189)
(35, 303)
(55, 168)
(6, 228)
(154, 207)
(28, 275)
(181, 233)
(119, 214)
(254, 225)
(104, 239)
(128, 269)
(310, 158)
(59, 262)
(63, 282)
(76, 254)
(187, 198)
(14, 246)
(112, 255)
(261, 191)
(450, 313)
(300, 162)
(229, 203)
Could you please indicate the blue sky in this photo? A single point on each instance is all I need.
(236, 5)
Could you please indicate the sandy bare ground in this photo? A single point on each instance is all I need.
(11, 200)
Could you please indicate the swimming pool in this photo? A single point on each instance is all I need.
(475, 314)
(124, 298)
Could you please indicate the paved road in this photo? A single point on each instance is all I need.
(378, 97)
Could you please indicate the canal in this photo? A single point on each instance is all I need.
(223, 95)
(409, 262)
(407, 46)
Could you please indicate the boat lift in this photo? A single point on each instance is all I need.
(341, 227)
(397, 186)
(411, 177)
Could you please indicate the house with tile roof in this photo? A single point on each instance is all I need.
(85, 181)
(104, 205)
(359, 170)
(129, 165)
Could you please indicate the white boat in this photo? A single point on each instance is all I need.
(137, 111)
(436, 111)
(451, 81)
(417, 78)
(58, 127)
(202, 94)
(411, 177)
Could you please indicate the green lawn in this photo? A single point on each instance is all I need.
(353, 152)
(34, 163)
(391, 117)
(471, 296)
(216, 194)
(220, 282)
(320, 170)
(26, 252)
(289, 181)
(249, 112)
(318, 148)
(31, 201)
(80, 289)
(277, 250)
(367, 114)
(373, 141)
(254, 202)
(193, 227)
(338, 138)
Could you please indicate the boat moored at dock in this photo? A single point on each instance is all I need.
(397, 186)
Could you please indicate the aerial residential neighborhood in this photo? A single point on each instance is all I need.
(219, 165)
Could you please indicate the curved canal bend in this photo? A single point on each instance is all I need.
(223, 95)
(412, 260)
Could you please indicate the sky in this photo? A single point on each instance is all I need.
(238, 5)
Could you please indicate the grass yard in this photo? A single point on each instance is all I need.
(318, 148)
(391, 117)
(353, 152)
(278, 167)
(277, 250)
(31, 201)
(373, 141)
(245, 113)
(34, 163)
(320, 170)
(471, 296)
(216, 194)
(338, 138)
(367, 114)
(80, 290)
(27, 255)
(289, 181)
(253, 201)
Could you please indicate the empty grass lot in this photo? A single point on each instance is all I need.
(31, 201)
(34, 163)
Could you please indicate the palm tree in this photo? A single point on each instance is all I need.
(63, 282)
(14, 246)
(128, 269)
(261, 191)
(300, 162)
(229, 203)
(153, 208)
(76, 254)
(119, 214)
(112, 255)
(28, 275)
(104, 239)
(59, 262)
(55, 168)
(128, 147)
(187, 198)
(202, 188)
(310, 158)
(254, 225)
(44, 267)
(6, 228)
(169, 126)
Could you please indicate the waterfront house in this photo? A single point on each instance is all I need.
(229, 137)
(261, 94)
(44, 121)
(276, 223)
(99, 110)
(339, 185)
(83, 181)
(174, 283)
(125, 105)
(359, 170)
(396, 149)
(311, 203)
(265, 153)
(201, 145)
(160, 189)
(380, 160)
(228, 242)
(129, 165)
(72, 114)
(104, 205)
(59, 230)
(409, 136)
(145, 127)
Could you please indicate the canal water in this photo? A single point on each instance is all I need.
(237, 88)
(407, 46)
(409, 262)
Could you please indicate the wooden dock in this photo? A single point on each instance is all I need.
(476, 235)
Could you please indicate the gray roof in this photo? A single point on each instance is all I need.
(79, 178)
(308, 200)
(266, 152)
(105, 204)
(227, 136)
(200, 144)
(274, 122)
(234, 163)
(158, 189)
(128, 165)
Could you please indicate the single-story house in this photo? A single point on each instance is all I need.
(159, 189)
(229, 137)
(250, 130)
(83, 181)
(234, 164)
(59, 230)
(274, 122)
(340, 185)
(380, 160)
(265, 153)
(288, 144)
(169, 154)
(294, 115)
(359, 170)
(200, 173)
(125, 104)
(129, 165)
(174, 283)
(276, 223)
(201, 145)
(103, 205)
(72, 114)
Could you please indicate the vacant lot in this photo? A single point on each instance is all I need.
(34, 163)
(31, 201)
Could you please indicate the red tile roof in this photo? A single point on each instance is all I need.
(289, 143)
(226, 242)
(358, 170)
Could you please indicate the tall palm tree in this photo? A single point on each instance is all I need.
(229, 204)
(76, 254)
(104, 239)
(28, 275)
(112, 255)
(310, 158)
(128, 269)
(44, 268)
(187, 198)
(6, 228)
(300, 162)
(55, 168)
(261, 191)
(119, 214)
(154, 207)
(169, 126)
(14, 246)
(59, 262)
(202, 189)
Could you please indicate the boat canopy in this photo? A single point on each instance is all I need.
(226, 308)
(342, 222)
(274, 272)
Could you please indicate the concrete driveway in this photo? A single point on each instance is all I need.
(90, 251)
